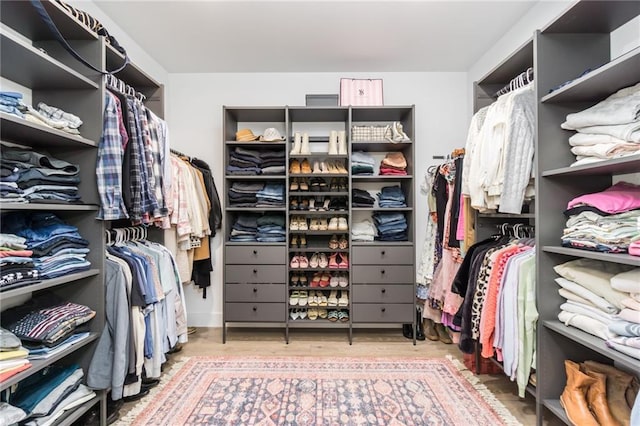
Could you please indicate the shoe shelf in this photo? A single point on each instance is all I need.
(318, 155)
(594, 343)
(30, 67)
(328, 288)
(600, 83)
(554, 406)
(318, 269)
(325, 232)
(318, 193)
(16, 129)
(39, 364)
(49, 207)
(44, 284)
(253, 243)
(72, 415)
(621, 258)
(618, 166)
(256, 209)
(383, 209)
(318, 175)
(320, 323)
(257, 144)
(317, 250)
(381, 243)
(318, 213)
(507, 215)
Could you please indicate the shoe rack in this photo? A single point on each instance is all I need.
(319, 277)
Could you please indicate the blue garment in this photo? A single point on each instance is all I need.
(36, 387)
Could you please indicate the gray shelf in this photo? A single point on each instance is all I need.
(318, 213)
(382, 209)
(554, 406)
(381, 113)
(593, 16)
(507, 215)
(318, 175)
(327, 269)
(49, 207)
(23, 18)
(37, 365)
(621, 258)
(310, 232)
(256, 143)
(382, 243)
(318, 114)
(72, 415)
(256, 177)
(319, 155)
(517, 62)
(384, 178)
(256, 209)
(253, 243)
(318, 194)
(131, 74)
(618, 166)
(380, 146)
(15, 129)
(595, 344)
(600, 83)
(28, 66)
(314, 249)
(531, 390)
(48, 284)
(256, 114)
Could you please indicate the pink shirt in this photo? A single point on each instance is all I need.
(621, 197)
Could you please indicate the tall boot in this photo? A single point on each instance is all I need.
(297, 144)
(407, 331)
(342, 142)
(443, 334)
(573, 398)
(617, 384)
(597, 399)
(333, 143)
(430, 330)
(305, 149)
(419, 325)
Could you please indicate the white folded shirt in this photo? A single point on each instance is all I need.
(623, 107)
(627, 281)
(607, 150)
(588, 139)
(628, 132)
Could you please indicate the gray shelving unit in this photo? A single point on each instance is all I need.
(578, 39)
(257, 276)
(30, 56)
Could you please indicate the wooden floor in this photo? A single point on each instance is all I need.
(366, 343)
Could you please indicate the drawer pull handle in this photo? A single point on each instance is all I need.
(384, 290)
(383, 309)
(255, 252)
(383, 252)
(255, 308)
(255, 290)
(255, 271)
(383, 271)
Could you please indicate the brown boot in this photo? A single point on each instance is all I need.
(597, 399)
(573, 398)
(430, 330)
(632, 391)
(617, 384)
(443, 334)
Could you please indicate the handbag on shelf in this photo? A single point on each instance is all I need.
(370, 133)
(359, 92)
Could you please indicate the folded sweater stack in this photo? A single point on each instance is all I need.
(393, 163)
(609, 129)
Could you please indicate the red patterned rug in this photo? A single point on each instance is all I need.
(318, 391)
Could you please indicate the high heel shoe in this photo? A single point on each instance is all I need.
(323, 261)
(333, 242)
(313, 262)
(343, 243)
(325, 206)
(312, 204)
(344, 261)
(333, 262)
(294, 241)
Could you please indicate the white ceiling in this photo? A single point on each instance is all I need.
(315, 36)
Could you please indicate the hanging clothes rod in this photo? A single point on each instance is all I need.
(129, 233)
(517, 82)
(178, 153)
(114, 83)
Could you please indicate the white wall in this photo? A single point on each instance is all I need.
(195, 118)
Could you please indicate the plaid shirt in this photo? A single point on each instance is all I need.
(135, 173)
(149, 201)
(157, 166)
(109, 164)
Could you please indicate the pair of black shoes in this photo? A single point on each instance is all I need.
(338, 203)
(407, 329)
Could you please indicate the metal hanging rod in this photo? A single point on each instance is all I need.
(517, 82)
(114, 83)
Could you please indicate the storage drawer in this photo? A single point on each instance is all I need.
(383, 255)
(383, 312)
(256, 255)
(365, 293)
(383, 274)
(242, 274)
(255, 312)
(255, 293)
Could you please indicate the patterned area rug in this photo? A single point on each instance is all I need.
(318, 391)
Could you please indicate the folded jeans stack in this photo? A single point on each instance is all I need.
(244, 194)
(10, 103)
(245, 228)
(272, 195)
(273, 162)
(31, 176)
(56, 248)
(391, 197)
(363, 231)
(391, 226)
(271, 228)
(605, 221)
(393, 164)
(361, 198)
(362, 163)
(609, 129)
